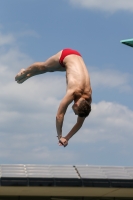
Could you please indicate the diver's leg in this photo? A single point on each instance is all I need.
(50, 65)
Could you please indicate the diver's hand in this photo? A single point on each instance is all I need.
(63, 142)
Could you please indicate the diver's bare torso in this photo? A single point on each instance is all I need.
(77, 77)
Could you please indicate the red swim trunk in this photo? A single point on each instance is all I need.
(65, 53)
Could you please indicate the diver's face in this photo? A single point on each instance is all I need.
(75, 108)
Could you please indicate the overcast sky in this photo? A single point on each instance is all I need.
(33, 30)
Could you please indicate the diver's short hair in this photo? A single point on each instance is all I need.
(84, 109)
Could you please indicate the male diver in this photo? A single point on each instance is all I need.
(78, 87)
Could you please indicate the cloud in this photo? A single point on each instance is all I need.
(28, 114)
(105, 5)
(10, 38)
(108, 78)
(28, 33)
(7, 39)
(109, 122)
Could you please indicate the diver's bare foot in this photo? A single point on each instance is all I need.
(21, 76)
